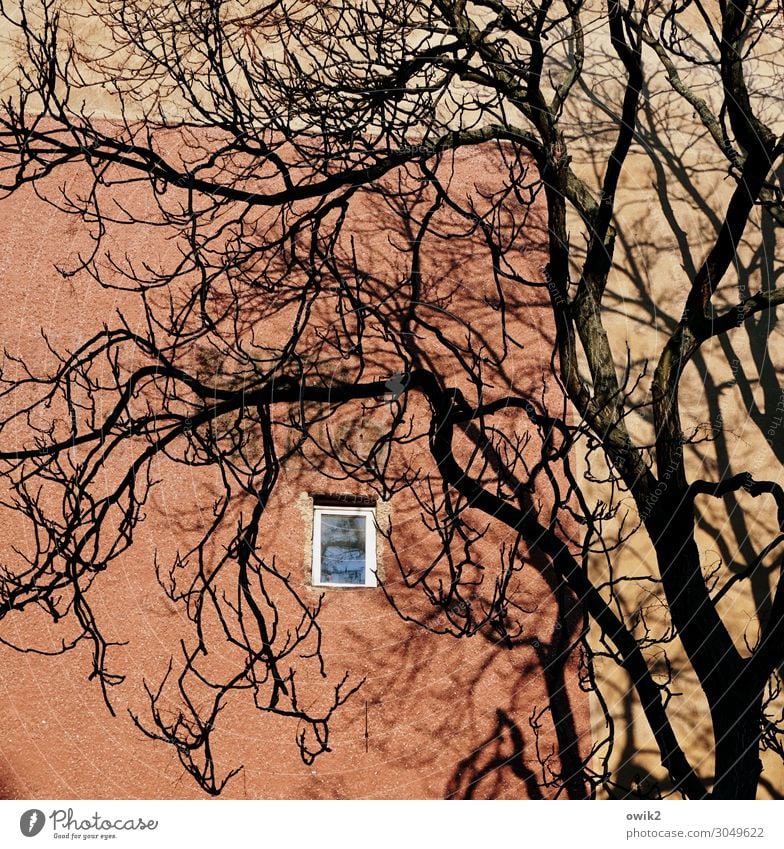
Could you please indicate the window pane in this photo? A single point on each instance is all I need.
(342, 549)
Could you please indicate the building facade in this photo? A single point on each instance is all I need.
(482, 714)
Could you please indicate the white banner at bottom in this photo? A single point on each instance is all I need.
(380, 824)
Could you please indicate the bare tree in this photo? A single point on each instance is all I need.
(264, 133)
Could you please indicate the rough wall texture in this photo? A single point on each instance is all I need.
(436, 715)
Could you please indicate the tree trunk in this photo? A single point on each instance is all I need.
(736, 727)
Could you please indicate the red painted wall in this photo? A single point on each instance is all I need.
(437, 715)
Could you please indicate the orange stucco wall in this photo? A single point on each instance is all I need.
(436, 716)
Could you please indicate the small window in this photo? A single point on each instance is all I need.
(344, 547)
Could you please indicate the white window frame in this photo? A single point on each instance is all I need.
(369, 514)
